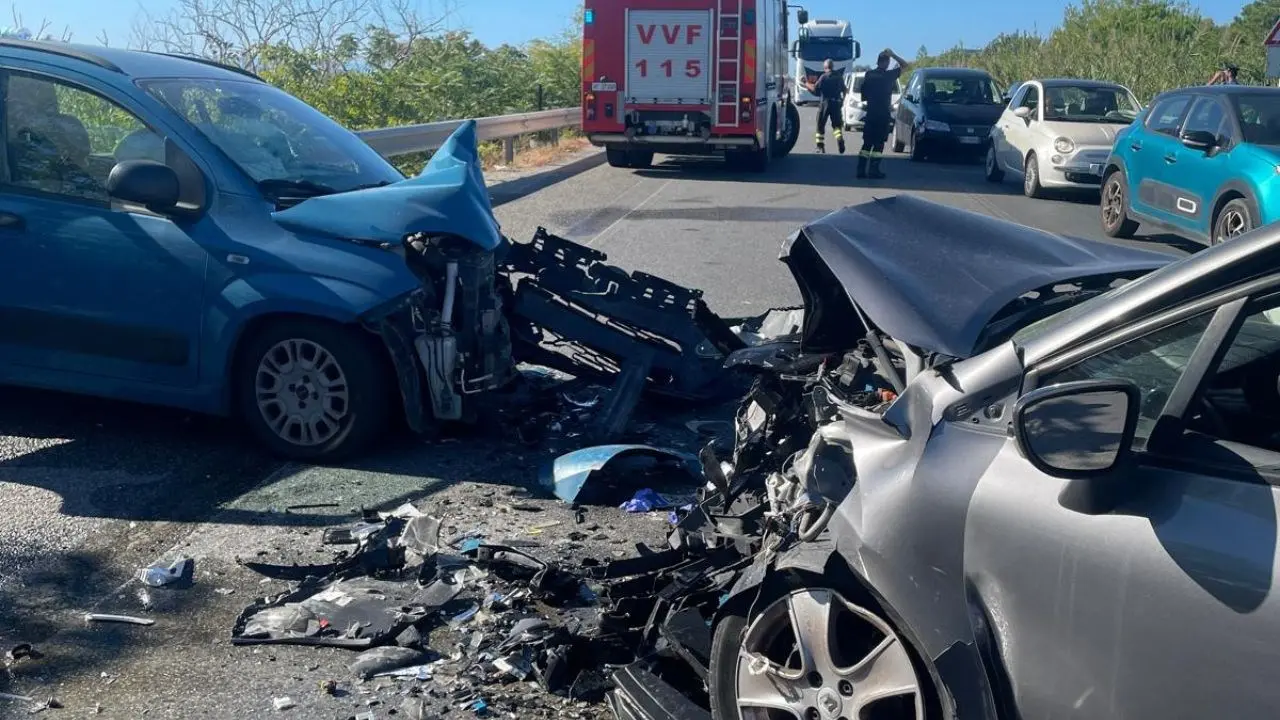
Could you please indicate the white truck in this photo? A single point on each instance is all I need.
(818, 41)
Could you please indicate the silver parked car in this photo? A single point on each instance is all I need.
(1058, 133)
(1039, 479)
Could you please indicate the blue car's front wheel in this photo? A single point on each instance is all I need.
(313, 390)
(1234, 219)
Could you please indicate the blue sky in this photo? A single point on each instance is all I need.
(936, 24)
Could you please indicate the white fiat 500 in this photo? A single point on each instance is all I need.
(854, 113)
(1057, 134)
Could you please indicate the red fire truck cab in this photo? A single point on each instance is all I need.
(688, 77)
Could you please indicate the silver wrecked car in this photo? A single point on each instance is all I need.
(1057, 134)
(1009, 474)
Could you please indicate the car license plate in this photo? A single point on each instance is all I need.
(969, 140)
(1095, 169)
(604, 86)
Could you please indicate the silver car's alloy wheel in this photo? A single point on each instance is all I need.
(813, 655)
(302, 392)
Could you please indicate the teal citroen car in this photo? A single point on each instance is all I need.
(1201, 162)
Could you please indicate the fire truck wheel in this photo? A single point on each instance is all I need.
(617, 157)
(641, 158)
(789, 133)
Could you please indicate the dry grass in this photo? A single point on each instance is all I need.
(532, 153)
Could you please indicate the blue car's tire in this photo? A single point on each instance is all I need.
(1234, 219)
(313, 390)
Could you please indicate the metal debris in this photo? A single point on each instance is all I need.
(126, 619)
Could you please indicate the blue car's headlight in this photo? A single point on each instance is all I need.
(937, 125)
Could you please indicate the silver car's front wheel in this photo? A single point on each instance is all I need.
(814, 655)
(302, 392)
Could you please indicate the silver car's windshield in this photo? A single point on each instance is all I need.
(1089, 104)
(276, 139)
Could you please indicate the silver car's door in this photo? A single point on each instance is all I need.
(1159, 606)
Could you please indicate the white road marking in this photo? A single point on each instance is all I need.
(614, 224)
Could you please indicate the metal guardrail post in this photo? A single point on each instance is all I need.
(509, 150)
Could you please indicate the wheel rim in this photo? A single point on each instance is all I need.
(1112, 204)
(793, 665)
(991, 161)
(1031, 174)
(302, 392)
(1233, 223)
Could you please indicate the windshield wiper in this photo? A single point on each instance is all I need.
(368, 186)
(294, 188)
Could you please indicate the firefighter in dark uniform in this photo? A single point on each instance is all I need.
(829, 87)
(878, 87)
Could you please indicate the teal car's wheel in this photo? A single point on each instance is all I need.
(311, 390)
(1114, 207)
(1234, 219)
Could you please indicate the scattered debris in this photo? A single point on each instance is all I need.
(126, 619)
(21, 651)
(385, 659)
(283, 703)
(182, 570)
(597, 475)
(16, 698)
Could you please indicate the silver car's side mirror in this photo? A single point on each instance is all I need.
(1023, 112)
(1077, 429)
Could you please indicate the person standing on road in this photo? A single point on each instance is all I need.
(1225, 76)
(878, 87)
(829, 87)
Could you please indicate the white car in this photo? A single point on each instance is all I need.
(1057, 134)
(854, 113)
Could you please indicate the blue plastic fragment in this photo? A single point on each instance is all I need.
(567, 474)
(479, 707)
(470, 544)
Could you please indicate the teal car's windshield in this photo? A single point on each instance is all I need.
(1259, 115)
(1090, 104)
(276, 139)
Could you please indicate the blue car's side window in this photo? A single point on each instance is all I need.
(63, 140)
(1207, 115)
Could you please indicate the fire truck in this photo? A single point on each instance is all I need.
(688, 77)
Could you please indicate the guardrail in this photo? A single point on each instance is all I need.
(393, 141)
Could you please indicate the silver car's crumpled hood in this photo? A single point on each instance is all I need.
(931, 275)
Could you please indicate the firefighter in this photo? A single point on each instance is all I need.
(830, 88)
(878, 87)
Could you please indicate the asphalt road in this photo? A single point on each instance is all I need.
(91, 490)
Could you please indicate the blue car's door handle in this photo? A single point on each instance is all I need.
(1135, 146)
(1171, 158)
(11, 221)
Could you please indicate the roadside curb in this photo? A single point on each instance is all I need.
(504, 191)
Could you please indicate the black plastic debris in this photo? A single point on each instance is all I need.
(641, 695)
(358, 613)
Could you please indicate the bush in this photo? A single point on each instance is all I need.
(1147, 45)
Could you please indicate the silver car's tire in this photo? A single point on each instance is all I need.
(812, 653)
(994, 173)
(1031, 186)
(313, 390)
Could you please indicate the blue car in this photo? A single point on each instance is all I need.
(1201, 162)
(176, 232)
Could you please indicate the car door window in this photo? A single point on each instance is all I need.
(1166, 116)
(64, 140)
(1031, 99)
(1154, 362)
(1206, 115)
(1241, 395)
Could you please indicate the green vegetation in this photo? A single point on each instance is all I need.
(1148, 45)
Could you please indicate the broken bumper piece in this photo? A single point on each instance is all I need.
(641, 695)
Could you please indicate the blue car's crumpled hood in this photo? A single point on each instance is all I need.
(448, 197)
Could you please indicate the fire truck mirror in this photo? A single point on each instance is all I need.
(802, 16)
(857, 49)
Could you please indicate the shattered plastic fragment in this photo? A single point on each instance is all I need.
(159, 576)
(384, 659)
(284, 703)
(127, 619)
(569, 474)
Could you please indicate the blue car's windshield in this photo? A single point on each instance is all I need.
(277, 140)
(1259, 115)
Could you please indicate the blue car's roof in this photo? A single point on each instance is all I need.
(135, 64)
